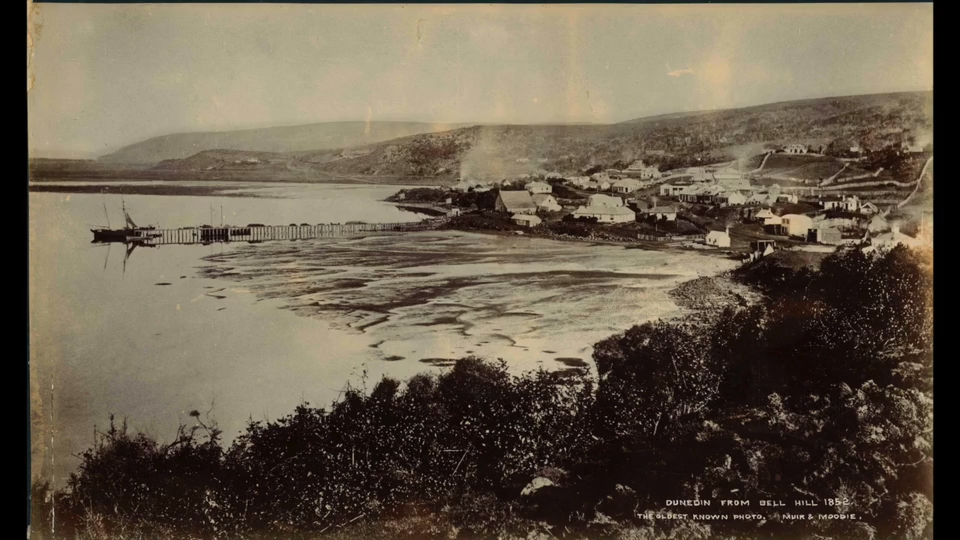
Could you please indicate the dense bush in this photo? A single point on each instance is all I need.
(823, 390)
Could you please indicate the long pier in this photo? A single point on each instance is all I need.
(263, 233)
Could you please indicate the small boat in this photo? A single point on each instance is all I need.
(108, 234)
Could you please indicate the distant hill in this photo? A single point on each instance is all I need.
(439, 154)
(320, 136)
(670, 141)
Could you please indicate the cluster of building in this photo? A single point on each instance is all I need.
(637, 176)
(524, 205)
(839, 220)
(723, 188)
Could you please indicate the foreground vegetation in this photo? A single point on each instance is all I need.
(823, 391)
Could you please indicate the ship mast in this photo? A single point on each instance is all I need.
(105, 213)
(126, 216)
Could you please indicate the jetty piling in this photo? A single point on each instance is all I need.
(263, 233)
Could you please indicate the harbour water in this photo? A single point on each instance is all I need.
(251, 331)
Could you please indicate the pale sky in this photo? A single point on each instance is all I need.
(105, 76)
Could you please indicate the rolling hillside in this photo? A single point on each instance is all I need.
(678, 140)
(438, 154)
(276, 139)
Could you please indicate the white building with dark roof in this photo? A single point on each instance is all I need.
(606, 214)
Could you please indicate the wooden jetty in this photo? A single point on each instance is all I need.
(263, 233)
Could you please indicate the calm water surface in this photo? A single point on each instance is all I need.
(250, 331)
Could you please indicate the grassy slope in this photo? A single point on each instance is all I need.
(801, 166)
(500, 151)
(715, 136)
(275, 139)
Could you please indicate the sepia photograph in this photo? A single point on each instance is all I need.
(480, 271)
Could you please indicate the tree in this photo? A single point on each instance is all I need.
(652, 375)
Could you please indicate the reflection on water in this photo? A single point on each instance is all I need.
(252, 330)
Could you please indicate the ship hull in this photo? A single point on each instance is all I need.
(107, 235)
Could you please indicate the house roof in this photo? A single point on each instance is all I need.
(540, 198)
(526, 217)
(517, 200)
(604, 210)
(627, 182)
(539, 185)
(604, 200)
(662, 210)
(718, 234)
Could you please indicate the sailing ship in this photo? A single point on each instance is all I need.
(131, 233)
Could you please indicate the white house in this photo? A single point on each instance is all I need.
(760, 198)
(911, 148)
(828, 235)
(604, 200)
(515, 202)
(795, 149)
(627, 185)
(850, 204)
(720, 239)
(797, 225)
(671, 189)
(730, 198)
(869, 208)
(638, 170)
(539, 187)
(764, 214)
(600, 177)
(606, 214)
(525, 220)
(545, 201)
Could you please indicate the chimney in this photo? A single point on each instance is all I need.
(895, 229)
(728, 230)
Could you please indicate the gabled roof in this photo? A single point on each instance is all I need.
(517, 200)
(527, 217)
(604, 200)
(605, 210)
(661, 210)
(717, 234)
(540, 197)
